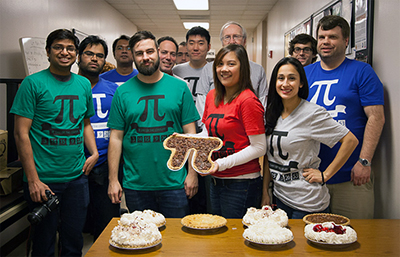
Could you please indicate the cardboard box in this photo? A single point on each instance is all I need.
(10, 180)
(3, 149)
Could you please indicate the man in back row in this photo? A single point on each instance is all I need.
(123, 57)
(353, 94)
(92, 57)
(198, 44)
(303, 47)
(231, 33)
(182, 56)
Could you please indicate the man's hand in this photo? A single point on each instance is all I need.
(360, 174)
(37, 191)
(191, 184)
(115, 192)
(89, 163)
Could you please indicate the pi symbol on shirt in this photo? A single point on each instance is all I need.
(327, 85)
(99, 110)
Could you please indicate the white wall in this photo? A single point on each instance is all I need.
(286, 14)
(37, 18)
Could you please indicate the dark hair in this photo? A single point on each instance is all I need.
(141, 35)
(244, 80)
(93, 40)
(198, 31)
(61, 34)
(303, 39)
(274, 103)
(167, 38)
(183, 43)
(332, 21)
(122, 37)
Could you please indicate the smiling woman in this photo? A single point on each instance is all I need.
(235, 115)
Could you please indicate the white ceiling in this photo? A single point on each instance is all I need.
(163, 19)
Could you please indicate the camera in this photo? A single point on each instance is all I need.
(40, 212)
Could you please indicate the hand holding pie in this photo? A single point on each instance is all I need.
(181, 146)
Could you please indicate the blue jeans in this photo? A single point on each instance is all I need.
(230, 198)
(170, 203)
(101, 210)
(294, 213)
(68, 219)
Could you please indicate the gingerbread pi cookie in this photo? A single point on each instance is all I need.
(181, 146)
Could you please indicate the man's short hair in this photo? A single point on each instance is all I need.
(303, 39)
(183, 43)
(93, 40)
(141, 35)
(221, 33)
(168, 38)
(199, 31)
(61, 34)
(114, 45)
(331, 21)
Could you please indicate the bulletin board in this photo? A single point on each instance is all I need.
(363, 29)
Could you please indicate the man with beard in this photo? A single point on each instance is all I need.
(123, 57)
(145, 111)
(92, 55)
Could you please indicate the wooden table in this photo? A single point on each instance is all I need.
(376, 237)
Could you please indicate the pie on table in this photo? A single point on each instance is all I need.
(326, 217)
(203, 221)
(330, 233)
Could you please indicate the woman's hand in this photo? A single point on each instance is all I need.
(313, 175)
(212, 171)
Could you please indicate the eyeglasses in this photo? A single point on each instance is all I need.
(306, 50)
(227, 38)
(123, 48)
(91, 54)
(59, 48)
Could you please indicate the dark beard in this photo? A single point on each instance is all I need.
(148, 71)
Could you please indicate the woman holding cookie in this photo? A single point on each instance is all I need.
(234, 114)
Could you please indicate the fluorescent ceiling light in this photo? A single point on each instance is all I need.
(189, 25)
(191, 4)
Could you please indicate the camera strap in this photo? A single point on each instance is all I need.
(29, 241)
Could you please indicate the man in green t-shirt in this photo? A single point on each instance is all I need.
(145, 110)
(52, 110)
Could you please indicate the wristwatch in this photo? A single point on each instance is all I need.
(364, 162)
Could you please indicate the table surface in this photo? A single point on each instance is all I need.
(376, 237)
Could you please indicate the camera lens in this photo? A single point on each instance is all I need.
(37, 215)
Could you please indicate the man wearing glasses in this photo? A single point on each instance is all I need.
(123, 57)
(303, 47)
(232, 33)
(52, 124)
(91, 60)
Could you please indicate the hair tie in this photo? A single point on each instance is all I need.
(323, 180)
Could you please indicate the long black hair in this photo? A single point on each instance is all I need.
(274, 104)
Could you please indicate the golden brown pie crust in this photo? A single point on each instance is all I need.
(326, 217)
(181, 146)
(203, 221)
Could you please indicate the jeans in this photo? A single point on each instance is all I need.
(230, 198)
(68, 219)
(170, 203)
(101, 210)
(294, 213)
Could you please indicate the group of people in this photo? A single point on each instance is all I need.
(91, 137)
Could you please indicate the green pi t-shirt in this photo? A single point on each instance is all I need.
(57, 110)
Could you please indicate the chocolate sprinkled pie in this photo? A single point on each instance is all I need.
(326, 217)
